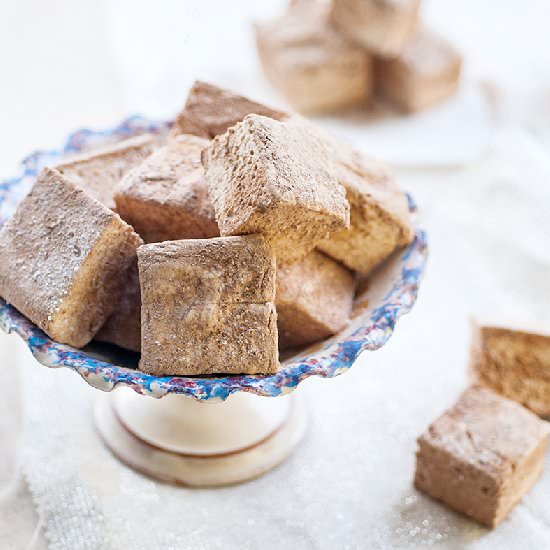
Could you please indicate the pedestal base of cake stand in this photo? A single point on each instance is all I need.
(183, 441)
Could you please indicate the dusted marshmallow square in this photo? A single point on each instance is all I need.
(314, 297)
(207, 307)
(166, 197)
(100, 171)
(123, 327)
(64, 258)
(482, 455)
(513, 362)
(273, 178)
(211, 110)
(223, 269)
(313, 66)
(426, 72)
(379, 213)
(381, 26)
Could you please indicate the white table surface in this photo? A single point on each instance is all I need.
(65, 65)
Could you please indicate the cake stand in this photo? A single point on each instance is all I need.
(209, 431)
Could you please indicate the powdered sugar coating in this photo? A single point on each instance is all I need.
(211, 110)
(272, 177)
(99, 172)
(60, 258)
(166, 196)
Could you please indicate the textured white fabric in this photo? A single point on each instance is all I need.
(20, 521)
(348, 485)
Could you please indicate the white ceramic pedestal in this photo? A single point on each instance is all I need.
(178, 439)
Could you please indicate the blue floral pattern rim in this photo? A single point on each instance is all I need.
(368, 331)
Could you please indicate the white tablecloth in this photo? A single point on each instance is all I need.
(348, 485)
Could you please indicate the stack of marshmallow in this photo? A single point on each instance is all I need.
(323, 57)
